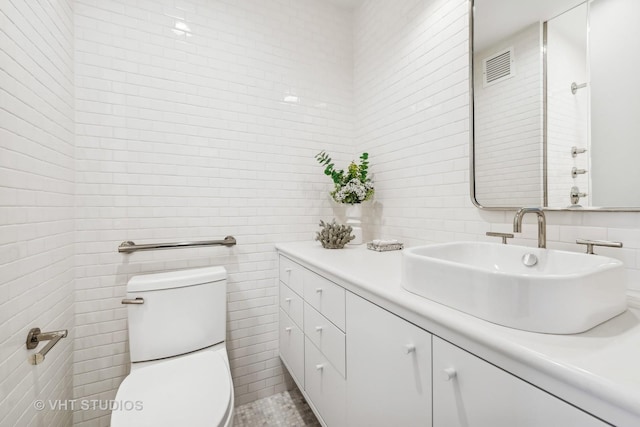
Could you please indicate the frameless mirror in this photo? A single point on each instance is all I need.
(555, 104)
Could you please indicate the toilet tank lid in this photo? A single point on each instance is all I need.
(176, 279)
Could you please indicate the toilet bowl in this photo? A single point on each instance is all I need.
(180, 372)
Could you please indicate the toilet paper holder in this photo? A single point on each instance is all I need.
(34, 338)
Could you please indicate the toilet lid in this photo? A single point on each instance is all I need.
(192, 390)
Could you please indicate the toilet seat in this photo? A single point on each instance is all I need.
(191, 390)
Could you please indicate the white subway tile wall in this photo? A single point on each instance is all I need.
(411, 86)
(411, 92)
(195, 120)
(36, 207)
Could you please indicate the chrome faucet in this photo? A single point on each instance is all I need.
(542, 224)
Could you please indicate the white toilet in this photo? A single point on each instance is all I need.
(180, 372)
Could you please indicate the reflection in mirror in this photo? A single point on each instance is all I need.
(556, 103)
(567, 109)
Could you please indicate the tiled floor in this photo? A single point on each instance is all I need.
(286, 409)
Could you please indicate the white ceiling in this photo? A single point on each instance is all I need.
(495, 20)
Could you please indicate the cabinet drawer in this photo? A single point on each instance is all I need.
(291, 274)
(291, 304)
(326, 336)
(292, 348)
(326, 297)
(325, 386)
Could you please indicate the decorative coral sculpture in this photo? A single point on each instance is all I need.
(333, 235)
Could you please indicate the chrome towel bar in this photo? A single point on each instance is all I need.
(129, 246)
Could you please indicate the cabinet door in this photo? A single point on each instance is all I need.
(469, 392)
(291, 348)
(324, 386)
(388, 368)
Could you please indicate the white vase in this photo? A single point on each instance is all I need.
(354, 219)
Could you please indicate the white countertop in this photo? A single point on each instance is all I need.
(598, 370)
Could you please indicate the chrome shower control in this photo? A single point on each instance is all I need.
(575, 172)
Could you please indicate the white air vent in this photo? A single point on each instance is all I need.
(498, 67)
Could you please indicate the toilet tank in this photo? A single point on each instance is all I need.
(183, 311)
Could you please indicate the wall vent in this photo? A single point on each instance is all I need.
(498, 67)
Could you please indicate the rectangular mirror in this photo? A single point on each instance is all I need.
(556, 108)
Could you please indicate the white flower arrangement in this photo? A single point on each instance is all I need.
(353, 186)
(354, 190)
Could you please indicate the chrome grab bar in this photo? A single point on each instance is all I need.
(129, 246)
(35, 336)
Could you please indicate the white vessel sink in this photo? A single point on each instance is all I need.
(564, 293)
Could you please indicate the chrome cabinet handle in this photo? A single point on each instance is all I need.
(409, 348)
(137, 300)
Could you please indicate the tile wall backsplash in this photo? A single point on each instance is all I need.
(36, 206)
(195, 120)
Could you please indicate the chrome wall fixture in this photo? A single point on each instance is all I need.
(575, 86)
(575, 151)
(129, 246)
(575, 195)
(34, 338)
(575, 172)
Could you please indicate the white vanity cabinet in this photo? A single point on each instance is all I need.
(358, 364)
(389, 366)
(312, 339)
(469, 392)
